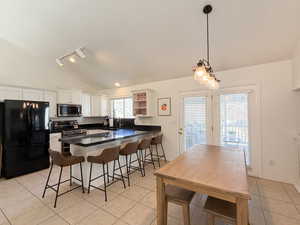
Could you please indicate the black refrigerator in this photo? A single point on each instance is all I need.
(25, 137)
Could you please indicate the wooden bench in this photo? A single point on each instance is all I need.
(219, 208)
(180, 197)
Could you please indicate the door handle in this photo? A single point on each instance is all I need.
(180, 131)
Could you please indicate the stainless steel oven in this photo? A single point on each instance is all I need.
(69, 110)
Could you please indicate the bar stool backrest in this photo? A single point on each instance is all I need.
(145, 143)
(57, 158)
(130, 148)
(110, 154)
(157, 140)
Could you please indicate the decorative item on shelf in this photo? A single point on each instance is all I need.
(164, 106)
(203, 72)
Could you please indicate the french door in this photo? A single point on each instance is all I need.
(196, 120)
(225, 118)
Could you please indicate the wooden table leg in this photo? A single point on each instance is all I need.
(161, 202)
(242, 212)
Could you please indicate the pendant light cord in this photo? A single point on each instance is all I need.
(207, 37)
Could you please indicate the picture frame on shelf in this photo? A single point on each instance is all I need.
(164, 106)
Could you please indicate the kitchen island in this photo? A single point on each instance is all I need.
(94, 144)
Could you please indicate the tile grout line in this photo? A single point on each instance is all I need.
(276, 213)
(1, 211)
(46, 205)
(260, 199)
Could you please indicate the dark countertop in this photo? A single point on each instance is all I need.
(96, 139)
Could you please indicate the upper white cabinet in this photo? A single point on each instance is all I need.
(50, 96)
(104, 106)
(142, 103)
(33, 95)
(69, 97)
(10, 93)
(99, 105)
(96, 105)
(86, 104)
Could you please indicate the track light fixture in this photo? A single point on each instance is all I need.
(71, 56)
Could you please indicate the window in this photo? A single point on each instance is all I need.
(121, 107)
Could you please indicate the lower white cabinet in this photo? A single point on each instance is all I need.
(11, 93)
(33, 95)
(55, 144)
(50, 96)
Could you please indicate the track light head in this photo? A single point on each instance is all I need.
(80, 53)
(59, 62)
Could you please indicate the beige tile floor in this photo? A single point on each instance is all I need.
(272, 203)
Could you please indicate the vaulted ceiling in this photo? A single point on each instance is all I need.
(136, 41)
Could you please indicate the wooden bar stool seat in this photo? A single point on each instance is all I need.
(180, 197)
(63, 160)
(127, 151)
(107, 155)
(221, 209)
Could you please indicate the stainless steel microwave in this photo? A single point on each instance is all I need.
(69, 110)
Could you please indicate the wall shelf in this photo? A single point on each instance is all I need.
(142, 103)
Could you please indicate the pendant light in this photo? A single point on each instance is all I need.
(203, 72)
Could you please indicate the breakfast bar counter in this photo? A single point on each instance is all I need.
(94, 144)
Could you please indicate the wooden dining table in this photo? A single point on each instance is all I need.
(216, 171)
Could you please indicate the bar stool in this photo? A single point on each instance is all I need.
(128, 150)
(157, 140)
(180, 197)
(63, 160)
(145, 145)
(107, 155)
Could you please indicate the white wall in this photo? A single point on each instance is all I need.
(278, 112)
(19, 68)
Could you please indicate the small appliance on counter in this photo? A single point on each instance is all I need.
(25, 136)
(69, 110)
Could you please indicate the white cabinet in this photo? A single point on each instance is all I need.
(76, 97)
(69, 97)
(104, 107)
(86, 104)
(10, 93)
(142, 103)
(55, 144)
(64, 96)
(96, 105)
(99, 105)
(50, 96)
(32, 95)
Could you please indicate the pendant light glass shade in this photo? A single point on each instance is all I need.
(199, 72)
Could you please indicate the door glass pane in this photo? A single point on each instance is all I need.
(234, 121)
(194, 121)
